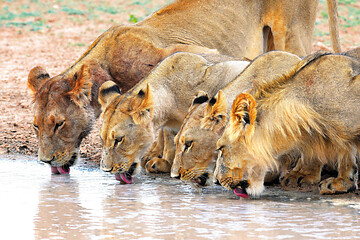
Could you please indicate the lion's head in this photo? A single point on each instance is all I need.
(62, 115)
(196, 141)
(127, 130)
(236, 167)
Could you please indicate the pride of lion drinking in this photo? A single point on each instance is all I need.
(210, 92)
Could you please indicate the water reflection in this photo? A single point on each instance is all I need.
(59, 210)
(90, 204)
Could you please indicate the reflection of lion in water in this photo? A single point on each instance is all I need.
(312, 109)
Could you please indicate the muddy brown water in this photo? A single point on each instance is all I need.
(90, 204)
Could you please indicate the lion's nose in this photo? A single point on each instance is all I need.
(47, 160)
(106, 167)
(176, 175)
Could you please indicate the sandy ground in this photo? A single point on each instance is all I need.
(56, 46)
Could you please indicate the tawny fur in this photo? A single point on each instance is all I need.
(205, 122)
(127, 53)
(160, 100)
(294, 114)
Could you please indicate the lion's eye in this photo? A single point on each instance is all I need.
(35, 126)
(118, 141)
(188, 145)
(58, 125)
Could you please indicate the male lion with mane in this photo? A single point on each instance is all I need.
(66, 105)
(312, 109)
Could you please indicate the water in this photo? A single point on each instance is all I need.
(90, 204)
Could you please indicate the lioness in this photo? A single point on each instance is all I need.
(313, 109)
(66, 105)
(160, 100)
(196, 154)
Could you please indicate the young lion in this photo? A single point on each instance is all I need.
(160, 100)
(313, 109)
(66, 105)
(196, 154)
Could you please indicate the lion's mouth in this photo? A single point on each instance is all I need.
(126, 177)
(64, 169)
(241, 192)
(240, 189)
(201, 181)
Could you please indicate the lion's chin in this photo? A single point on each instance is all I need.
(254, 190)
(201, 181)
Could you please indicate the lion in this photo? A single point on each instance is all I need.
(310, 175)
(162, 99)
(312, 109)
(196, 155)
(66, 105)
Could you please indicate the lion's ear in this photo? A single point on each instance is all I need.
(243, 116)
(142, 106)
(36, 78)
(215, 112)
(107, 93)
(81, 93)
(199, 98)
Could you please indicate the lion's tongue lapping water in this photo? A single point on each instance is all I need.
(60, 170)
(124, 178)
(241, 193)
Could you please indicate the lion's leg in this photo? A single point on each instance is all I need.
(307, 172)
(347, 178)
(156, 149)
(286, 161)
(163, 164)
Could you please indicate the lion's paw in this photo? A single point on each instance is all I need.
(158, 165)
(336, 186)
(298, 179)
(147, 157)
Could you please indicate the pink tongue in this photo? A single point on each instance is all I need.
(239, 192)
(63, 171)
(124, 178)
(54, 170)
(59, 170)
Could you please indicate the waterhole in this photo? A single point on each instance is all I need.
(91, 204)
